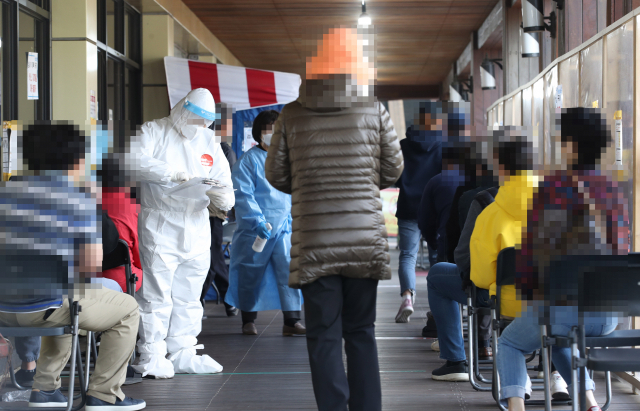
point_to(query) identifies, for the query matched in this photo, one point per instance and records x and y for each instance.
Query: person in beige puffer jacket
(333, 150)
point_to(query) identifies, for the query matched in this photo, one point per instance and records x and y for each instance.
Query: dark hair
(225, 111)
(588, 128)
(50, 145)
(515, 156)
(262, 120)
(111, 174)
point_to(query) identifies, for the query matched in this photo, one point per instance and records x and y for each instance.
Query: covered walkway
(271, 372)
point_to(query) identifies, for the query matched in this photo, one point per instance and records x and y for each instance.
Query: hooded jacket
(499, 226)
(422, 152)
(334, 161)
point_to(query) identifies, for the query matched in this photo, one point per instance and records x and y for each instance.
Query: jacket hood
(423, 141)
(516, 194)
(334, 93)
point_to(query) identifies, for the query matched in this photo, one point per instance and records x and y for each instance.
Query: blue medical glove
(263, 231)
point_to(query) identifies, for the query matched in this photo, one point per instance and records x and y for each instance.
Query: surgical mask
(266, 139)
(190, 131)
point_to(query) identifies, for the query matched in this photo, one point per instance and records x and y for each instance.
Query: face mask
(190, 131)
(266, 139)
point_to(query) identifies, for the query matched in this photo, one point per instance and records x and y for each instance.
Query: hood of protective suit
(194, 113)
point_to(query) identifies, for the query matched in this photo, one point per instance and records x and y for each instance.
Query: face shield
(195, 113)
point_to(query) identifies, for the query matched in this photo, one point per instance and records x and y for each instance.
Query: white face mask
(266, 139)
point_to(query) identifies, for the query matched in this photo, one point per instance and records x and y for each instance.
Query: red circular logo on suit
(206, 160)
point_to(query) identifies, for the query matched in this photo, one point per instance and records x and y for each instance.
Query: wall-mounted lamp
(533, 18)
(457, 91)
(530, 46)
(364, 19)
(488, 74)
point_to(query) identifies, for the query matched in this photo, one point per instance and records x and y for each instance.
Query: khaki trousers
(112, 313)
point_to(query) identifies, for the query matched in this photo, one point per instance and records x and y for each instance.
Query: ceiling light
(364, 19)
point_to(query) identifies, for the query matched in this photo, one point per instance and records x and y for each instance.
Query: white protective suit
(174, 234)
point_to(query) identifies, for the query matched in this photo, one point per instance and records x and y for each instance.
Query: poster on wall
(93, 111)
(389, 198)
(32, 76)
(248, 141)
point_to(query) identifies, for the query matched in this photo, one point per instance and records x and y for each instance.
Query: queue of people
(310, 231)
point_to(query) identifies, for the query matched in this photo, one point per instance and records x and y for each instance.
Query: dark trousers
(339, 308)
(218, 270)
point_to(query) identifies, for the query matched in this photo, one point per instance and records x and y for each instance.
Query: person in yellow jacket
(503, 222)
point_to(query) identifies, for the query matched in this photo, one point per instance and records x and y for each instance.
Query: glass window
(26, 44)
(114, 89)
(111, 23)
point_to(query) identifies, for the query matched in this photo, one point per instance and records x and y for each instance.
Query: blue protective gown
(260, 281)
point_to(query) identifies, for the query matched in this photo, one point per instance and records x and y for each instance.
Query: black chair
(601, 284)
(506, 275)
(120, 257)
(476, 379)
(28, 276)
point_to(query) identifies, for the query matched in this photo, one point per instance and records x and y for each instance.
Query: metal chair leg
(545, 368)
(607, 381)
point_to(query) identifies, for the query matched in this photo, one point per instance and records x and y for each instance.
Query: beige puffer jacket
(334, 162)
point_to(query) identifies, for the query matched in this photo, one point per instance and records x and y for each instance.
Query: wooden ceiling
(417, 40)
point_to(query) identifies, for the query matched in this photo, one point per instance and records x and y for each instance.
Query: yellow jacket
(499, 226)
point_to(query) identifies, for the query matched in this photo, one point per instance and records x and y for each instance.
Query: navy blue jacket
(422, 151)
(434, 209)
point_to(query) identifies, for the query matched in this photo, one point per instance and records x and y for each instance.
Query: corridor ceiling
(417, 40)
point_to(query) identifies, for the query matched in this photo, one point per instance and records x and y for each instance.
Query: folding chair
(227, 235)
(120, 257)
(605, 284)
(505, 275)
(475, 378)
(19, 274)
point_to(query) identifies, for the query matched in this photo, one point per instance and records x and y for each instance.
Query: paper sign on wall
(92, 105)
(617, 117)
(32, 76)
(595, 104)
(248, 141)
(558, 97)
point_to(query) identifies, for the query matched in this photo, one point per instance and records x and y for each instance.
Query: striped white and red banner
(243, 88)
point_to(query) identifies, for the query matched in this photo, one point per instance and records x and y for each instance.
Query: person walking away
(334, 150)
(422, 152)
(174, 234)
(218, 270)
(259, 281)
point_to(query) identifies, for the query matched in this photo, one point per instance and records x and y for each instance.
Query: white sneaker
(528, 388)
(435, 346)
(559, 388)
(540, 375)
(406, 309)
(186, 361)
(154, 365)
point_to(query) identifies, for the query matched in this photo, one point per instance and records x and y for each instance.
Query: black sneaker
(231, 310)
(46, 399)
(128, 404)
(452, 371)
(430, 330)
(25, 377)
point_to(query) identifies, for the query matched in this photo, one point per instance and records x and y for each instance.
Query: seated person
(62, 221)
(573, 199)
(445, 281)
(122, 209)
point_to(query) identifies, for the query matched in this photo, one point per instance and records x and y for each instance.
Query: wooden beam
(392, 92)
(491, 23)
(465, 58)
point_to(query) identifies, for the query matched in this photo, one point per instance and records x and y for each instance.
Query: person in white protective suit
(174, 234)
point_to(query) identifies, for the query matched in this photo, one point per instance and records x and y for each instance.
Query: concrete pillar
(157, 43)
(74, 55)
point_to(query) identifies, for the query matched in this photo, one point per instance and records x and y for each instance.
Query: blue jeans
(522, 336)
(409, 244)
(445, 292)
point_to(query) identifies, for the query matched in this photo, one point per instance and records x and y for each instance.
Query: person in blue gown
(259, 281)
